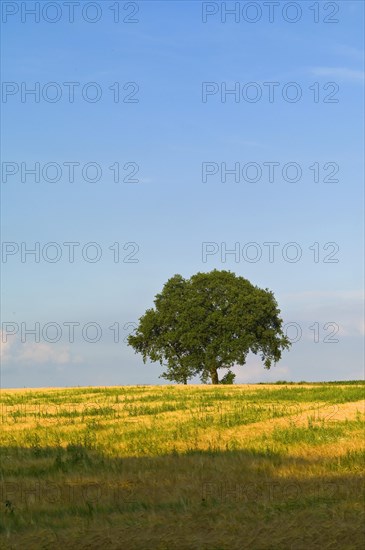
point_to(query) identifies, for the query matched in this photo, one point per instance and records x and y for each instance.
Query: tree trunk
(214, 376)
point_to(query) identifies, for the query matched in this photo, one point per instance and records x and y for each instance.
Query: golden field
(191, 467)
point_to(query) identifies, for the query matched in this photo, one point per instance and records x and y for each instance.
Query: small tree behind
(209, 322)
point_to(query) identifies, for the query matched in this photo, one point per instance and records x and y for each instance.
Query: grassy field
(262, 467)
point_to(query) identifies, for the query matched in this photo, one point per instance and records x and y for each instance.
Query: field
(262, 467)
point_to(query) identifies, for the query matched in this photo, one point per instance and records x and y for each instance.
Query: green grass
(315, 434)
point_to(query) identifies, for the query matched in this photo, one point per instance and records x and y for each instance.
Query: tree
(209, 322)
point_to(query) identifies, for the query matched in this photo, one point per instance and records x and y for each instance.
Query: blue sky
(164, 137)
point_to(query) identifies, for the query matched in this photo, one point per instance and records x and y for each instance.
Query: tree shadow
(52, 497)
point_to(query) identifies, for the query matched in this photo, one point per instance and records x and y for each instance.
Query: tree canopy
(209, 322)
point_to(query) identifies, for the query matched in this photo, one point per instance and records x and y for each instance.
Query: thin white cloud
(254, 371)
(343, 308)
(33, 354)
(350, 51)
(339, 73)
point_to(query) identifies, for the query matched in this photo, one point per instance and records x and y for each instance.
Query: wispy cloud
(35, 354)
(342, 308)
(349, 51)
(253, 372)
(340, 73)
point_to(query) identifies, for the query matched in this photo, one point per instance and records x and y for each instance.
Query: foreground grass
(183, 467)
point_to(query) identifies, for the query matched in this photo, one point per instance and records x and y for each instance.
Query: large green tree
(209, 322)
